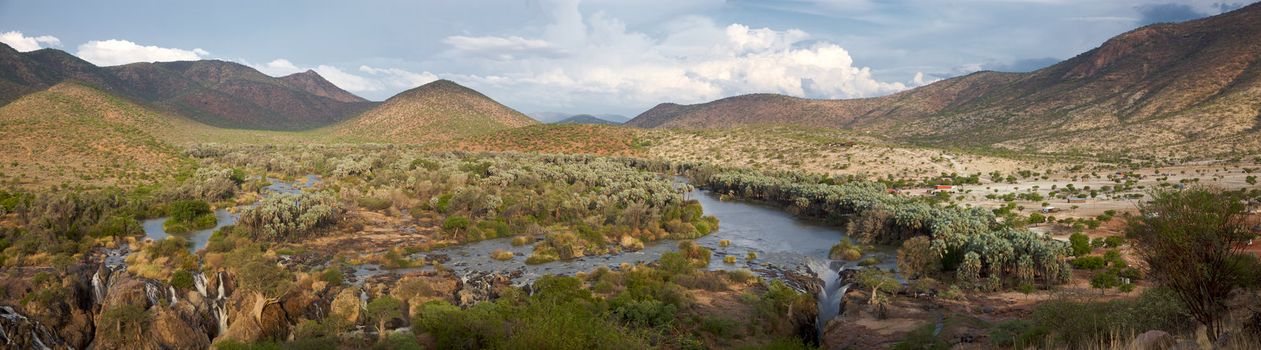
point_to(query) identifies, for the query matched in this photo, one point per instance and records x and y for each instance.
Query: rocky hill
(1194, 85)
(439, 111)
(218, 93)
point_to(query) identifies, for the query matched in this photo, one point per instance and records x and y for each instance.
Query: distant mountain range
(1196, 84)
(587, 119)
(557, 117)
(217, 93)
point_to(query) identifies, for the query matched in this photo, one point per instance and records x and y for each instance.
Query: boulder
(1152, 340)
(347, 305)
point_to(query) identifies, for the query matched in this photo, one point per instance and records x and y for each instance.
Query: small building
(1049, 209)
(1077, 199)
(941, 188)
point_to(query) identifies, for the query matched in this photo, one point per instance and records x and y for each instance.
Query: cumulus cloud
(115, 52)
(365, 79)
(23, 43)
(277, 67)
(696, 60)
(1167, 13)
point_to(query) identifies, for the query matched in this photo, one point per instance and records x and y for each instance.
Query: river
(781, 241)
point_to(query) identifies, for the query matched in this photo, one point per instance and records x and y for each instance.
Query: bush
(1093, 262)
(1113, 241)
(455, 222)
(1080, 244)
(1072, 324)
(182, 280)
(846, 249)
(187, 216)
(500, 254)
(373, 203)
(333, 275)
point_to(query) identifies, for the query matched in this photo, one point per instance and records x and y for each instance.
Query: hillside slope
(1192, 86)
(72, 133)
(217, 93)
(439, 111)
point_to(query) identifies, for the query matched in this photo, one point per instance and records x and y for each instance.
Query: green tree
(1191, 241)
(1080, 244)
(916, 257)
(382, 310)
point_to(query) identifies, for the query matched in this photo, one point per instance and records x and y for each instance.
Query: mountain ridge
(1155, 86)
(219, 93)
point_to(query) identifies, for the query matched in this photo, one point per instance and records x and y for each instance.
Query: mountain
(437, 111)
(1165, 85)
(549, 117)
(555, 117)
(73, 133)
(214, 92)
(313, 83)
(586, 119)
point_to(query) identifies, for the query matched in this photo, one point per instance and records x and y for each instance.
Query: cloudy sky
(598, 56)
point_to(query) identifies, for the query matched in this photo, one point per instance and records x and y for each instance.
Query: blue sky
(598, 56)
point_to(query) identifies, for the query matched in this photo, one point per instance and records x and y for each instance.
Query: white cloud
(367, 79)
(24, 43)
(277, 67)
(696, 60)
(115, 52)
(395, 78)
(503, 48)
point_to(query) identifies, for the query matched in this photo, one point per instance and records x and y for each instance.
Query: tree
(879, 281)
(1080, 244)
(916, 257)
(1191, 241)
(382, 310)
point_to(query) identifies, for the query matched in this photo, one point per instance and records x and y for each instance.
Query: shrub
(333, 275)
(188, 216)
(290, 216)
(1113, 241)
(182, 279)
(500, 254)
(1080, 244)
(1092, 262)
(374, 203)
(845, 250)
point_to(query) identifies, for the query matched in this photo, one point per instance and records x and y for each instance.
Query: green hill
(438, 111)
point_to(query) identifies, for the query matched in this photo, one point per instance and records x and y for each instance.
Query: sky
(598, 56)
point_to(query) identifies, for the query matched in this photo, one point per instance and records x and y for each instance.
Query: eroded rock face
(257, 318)
(479, 287)
(159, 318)
(20, 332)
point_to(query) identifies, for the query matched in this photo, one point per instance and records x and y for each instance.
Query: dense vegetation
(986, 253)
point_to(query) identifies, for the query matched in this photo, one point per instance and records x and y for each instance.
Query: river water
(224, 217)
(780, 240)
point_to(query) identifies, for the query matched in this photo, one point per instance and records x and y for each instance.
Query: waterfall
(831, 293)
(363, 299)
(151, 292)
(174, 299)
(199, 280)
(221, 314)
(38, 332)
(221, 282)
(98, 289)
